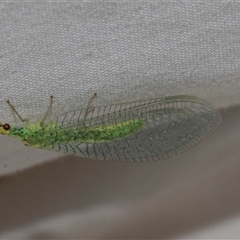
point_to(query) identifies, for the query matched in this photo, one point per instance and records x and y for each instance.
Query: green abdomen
(108, 133)
(49, 134)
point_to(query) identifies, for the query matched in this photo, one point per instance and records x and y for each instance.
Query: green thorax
(47, 135)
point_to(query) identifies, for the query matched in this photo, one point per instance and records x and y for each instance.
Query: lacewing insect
(148, 130)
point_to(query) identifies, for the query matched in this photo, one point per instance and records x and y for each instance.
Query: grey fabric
(123, 51)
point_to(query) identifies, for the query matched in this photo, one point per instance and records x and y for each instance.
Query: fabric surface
(123, 51)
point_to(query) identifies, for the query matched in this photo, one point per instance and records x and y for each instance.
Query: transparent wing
(171, 125)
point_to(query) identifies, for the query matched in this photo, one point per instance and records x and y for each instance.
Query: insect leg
(88, 109)
(25, 120)
(90, 104)
(47, 112)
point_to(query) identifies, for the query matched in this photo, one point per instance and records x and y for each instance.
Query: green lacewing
(147, 130)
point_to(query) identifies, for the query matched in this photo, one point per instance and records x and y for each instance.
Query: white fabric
(123, 51)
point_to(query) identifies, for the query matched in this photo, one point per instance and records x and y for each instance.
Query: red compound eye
(6, 126)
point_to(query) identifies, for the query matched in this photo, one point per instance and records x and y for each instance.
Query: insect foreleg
(49, 110)
(25, 120)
